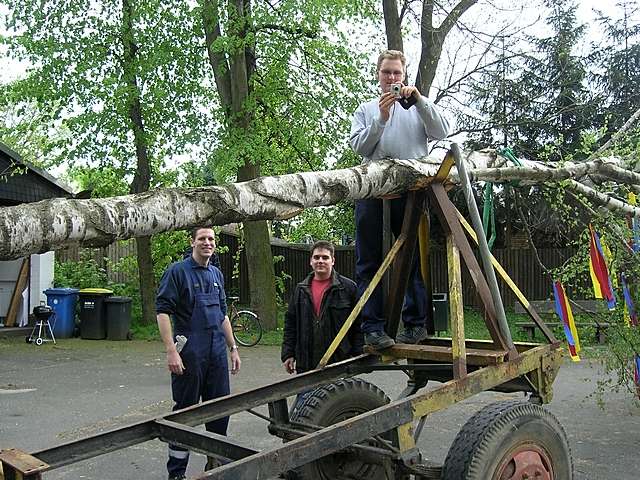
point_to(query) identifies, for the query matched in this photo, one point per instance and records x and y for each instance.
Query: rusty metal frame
(541, 362)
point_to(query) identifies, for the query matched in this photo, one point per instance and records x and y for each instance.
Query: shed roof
(22, 182)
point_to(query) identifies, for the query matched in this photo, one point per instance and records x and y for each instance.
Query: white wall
(41, 278)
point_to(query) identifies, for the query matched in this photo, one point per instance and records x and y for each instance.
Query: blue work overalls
(204, 356)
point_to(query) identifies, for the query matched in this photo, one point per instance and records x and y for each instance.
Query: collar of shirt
(195, 264)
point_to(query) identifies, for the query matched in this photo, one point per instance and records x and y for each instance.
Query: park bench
(547, 311)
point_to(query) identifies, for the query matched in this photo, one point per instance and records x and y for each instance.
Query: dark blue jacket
(179, 284)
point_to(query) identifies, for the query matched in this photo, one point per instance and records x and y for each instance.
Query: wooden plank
(424, 247)
(442, 353)
(456, 309)
(16, 297)
(445, 167)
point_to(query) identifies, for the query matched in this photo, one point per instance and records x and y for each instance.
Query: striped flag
(563, 309)
(599, 272)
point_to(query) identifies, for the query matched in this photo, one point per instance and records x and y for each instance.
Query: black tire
(509, 440)
(333, 403)
(246, 328)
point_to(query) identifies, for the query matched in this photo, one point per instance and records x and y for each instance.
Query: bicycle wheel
(246, 327)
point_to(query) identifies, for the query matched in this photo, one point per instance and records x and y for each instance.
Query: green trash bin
(92, 313)
(118, 312)
(440, 312)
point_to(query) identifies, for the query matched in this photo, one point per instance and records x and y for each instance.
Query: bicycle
(245, 325)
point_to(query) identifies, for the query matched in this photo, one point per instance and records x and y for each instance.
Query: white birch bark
(59, 223)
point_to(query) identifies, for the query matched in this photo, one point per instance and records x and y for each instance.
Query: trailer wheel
(333, 403)
(510, 440)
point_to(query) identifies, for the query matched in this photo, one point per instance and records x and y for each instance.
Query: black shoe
(378, 340)
(177, 477)
(412, 335)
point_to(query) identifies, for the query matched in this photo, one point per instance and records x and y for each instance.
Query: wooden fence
(521, 264)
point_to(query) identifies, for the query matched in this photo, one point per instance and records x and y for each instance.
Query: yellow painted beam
(456, 309)
(406, 441)
(445, 167)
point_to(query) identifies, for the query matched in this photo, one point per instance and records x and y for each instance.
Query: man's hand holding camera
(406, 95)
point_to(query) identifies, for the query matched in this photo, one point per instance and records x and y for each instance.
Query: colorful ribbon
(563, 309)
(634, 225)
(599, 272)
(630, 315)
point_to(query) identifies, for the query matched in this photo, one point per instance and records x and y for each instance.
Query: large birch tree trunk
(58, 223)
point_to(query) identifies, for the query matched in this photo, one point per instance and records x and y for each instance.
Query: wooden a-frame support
(401, 255)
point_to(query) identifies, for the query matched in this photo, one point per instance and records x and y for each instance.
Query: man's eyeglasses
(394, 73)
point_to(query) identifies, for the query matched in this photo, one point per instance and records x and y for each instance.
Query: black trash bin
(92, 313)
(440, 312)
(118, 311)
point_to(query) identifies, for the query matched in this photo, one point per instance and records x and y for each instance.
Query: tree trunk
(59, 223)
(142, 177)
(392, 25)
(232, 78)
(260, 269)
(262, 285)
(431, 37)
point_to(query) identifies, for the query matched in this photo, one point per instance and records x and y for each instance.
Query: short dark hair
(324, 244)
(194, 231)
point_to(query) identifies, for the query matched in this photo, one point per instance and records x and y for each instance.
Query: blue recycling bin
(63, 303)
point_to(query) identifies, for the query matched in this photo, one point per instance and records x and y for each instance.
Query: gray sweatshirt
(405, 135)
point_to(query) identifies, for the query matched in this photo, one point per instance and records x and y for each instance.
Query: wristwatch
(233, 347)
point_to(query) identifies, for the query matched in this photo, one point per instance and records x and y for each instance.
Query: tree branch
(299, 32)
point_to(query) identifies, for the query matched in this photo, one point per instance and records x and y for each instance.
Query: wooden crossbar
(442, 353)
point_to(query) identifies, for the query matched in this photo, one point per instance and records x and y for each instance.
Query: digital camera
(395, 89)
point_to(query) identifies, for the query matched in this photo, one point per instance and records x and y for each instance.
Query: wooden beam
(456, 309)
(446, 212)
(424, 243)
(441, 354)
(16, 297)
(514, 288)
(404, 264)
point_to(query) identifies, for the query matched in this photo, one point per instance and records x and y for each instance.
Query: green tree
(136, 91)
(283, 85)
(542, 106)
(618, 76)
(122, 77)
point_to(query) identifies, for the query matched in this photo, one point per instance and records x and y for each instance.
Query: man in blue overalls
(191, 293)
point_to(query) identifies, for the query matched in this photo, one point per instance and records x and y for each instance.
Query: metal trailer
(347, 428)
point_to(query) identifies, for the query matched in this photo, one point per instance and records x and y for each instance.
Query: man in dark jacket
(318, 308)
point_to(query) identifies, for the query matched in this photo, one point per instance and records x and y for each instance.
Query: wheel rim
(246, 329)
(527, 461)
